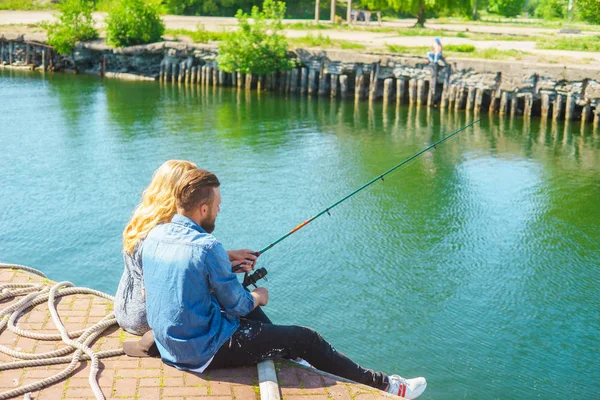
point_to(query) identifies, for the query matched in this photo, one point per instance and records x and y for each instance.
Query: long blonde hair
(158, 202)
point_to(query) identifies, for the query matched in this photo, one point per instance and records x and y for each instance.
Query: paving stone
(145, 378)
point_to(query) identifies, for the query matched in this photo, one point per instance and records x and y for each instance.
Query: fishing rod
(261, 272)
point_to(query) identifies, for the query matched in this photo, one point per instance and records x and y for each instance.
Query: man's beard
(209, 223)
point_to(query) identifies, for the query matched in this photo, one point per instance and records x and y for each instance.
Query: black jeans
(255, 341)
(258, 315)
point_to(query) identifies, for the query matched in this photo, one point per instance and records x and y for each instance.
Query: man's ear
(204, 210)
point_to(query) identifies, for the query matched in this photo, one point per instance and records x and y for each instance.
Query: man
(194, 301)
(436, 53)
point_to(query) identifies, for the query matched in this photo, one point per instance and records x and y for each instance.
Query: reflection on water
(475, 265)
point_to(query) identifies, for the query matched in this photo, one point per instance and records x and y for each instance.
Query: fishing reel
(251, 279)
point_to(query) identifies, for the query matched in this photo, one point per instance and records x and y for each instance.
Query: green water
(475, 266)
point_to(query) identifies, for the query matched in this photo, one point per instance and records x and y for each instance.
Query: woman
(157, 207)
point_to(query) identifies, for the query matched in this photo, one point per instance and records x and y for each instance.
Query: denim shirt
(193, 300)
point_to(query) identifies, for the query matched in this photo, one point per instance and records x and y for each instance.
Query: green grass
(487, 54)
(28, 5)
(495, 54)
(324, 42)
(302, 26)
(516, 22)
(307, 26)
(585, 43)
(419, 50)
(459, 48)
(200, 35)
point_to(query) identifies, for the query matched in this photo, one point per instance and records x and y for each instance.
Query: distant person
(196, 305)
(157, 207)
(436, 54)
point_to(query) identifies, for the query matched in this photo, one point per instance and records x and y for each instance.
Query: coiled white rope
(36, 294)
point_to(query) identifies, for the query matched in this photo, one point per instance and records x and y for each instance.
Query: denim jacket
(193, 300)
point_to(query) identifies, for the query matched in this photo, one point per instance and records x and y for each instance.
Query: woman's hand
(244, 259)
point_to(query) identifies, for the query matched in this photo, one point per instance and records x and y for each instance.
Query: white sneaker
(302, 362)
(407, 388)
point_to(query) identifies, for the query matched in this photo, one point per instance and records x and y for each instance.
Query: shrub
(74, 24)
(257, 47)
(506, 8)
(132, 22)
(589, 10)
(460, 48)
(552, 9)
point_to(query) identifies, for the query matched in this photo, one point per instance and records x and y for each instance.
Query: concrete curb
(267, 378)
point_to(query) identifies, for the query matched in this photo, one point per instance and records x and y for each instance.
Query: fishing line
(261, 272)
(376, 179)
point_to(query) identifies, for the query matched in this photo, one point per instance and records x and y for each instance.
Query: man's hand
(243, 258)
(261, 296)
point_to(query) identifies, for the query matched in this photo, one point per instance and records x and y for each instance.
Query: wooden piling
(32, 57)
(557, 109)
(249, 79)
(570, 108)
(388, 90)
(11, 50)
(545, 112)
(400, 90)
(173, 72)
(181, 72)
(478, 100)
(444, 98)
(240, 80)
(44, 65)
(294, 85)
(324, 84)
(359, 84)
(260, 83)
(288, 81)
(412, 91)
(334, 85)
(597, 115)
(527, 104)
(51, 59)
(344, 86)
(432, 95)
(194, 72)
(470, 98)
(504, 103)
(461, 98)
(304, 80)
(188, 74)
(513, 102)
(215, 76)
(451, 96)
(494, 102)
(421, 99)
(313, 81)
(2, 51)
(586, 113)
(374, 82)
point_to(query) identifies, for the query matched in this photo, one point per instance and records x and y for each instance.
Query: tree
(258, 47)
(75, 24)
(133, 22)
(589, 10)
(420, 8)
(506, 8)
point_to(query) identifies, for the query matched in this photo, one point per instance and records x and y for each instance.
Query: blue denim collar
(185, 221)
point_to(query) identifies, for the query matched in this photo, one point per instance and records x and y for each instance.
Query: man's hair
(196, 187)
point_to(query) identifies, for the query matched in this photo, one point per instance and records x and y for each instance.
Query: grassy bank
(27, 5)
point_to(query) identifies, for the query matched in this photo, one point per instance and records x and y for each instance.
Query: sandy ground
(10, 21)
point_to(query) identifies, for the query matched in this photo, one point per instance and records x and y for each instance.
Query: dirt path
(373, 40)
